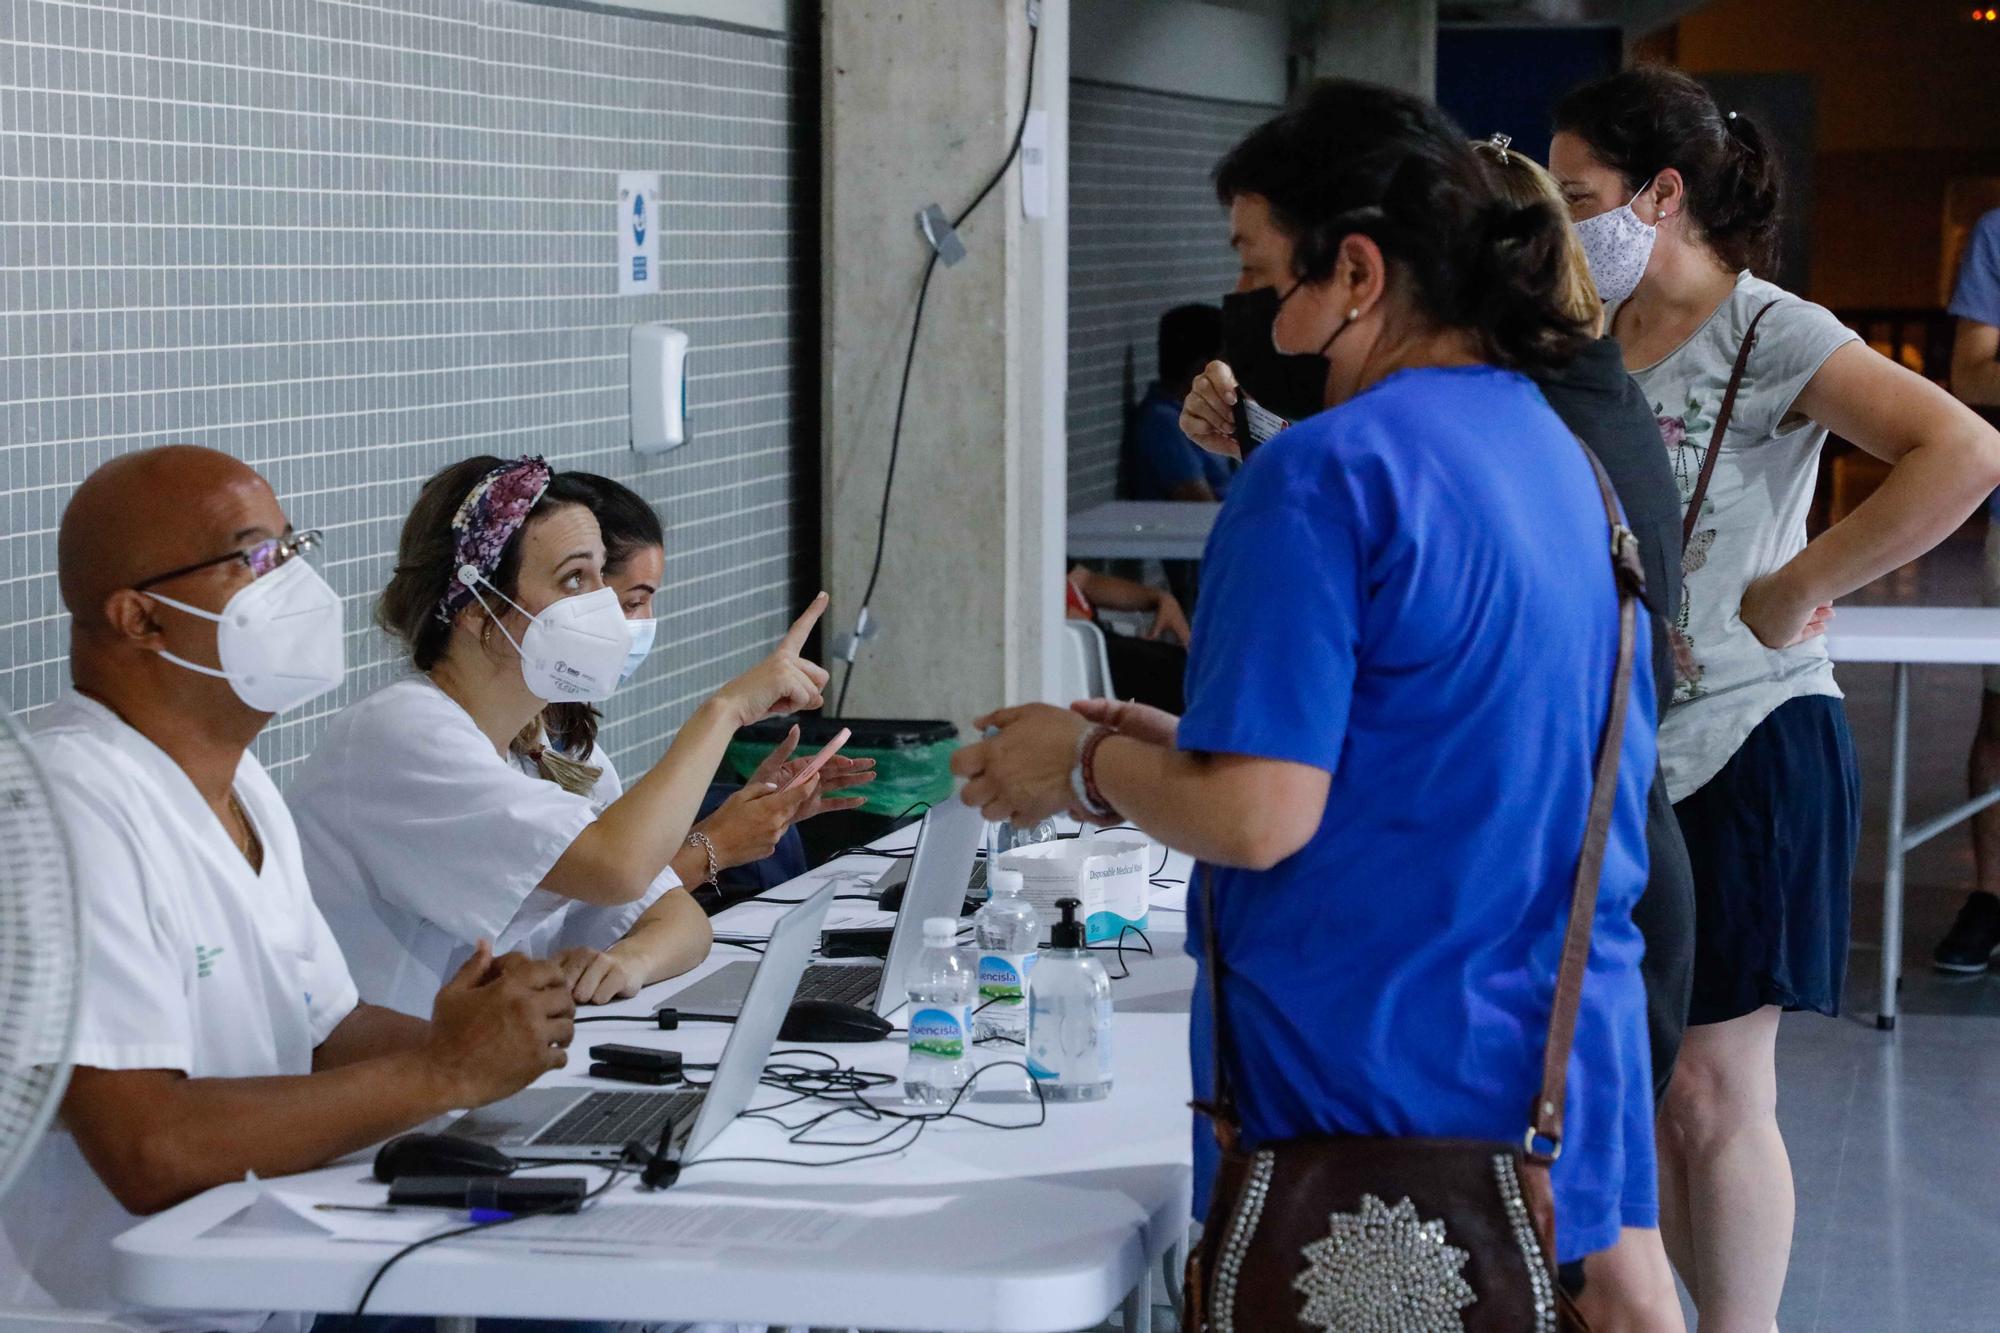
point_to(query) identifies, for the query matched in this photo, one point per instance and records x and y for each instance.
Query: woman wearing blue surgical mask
(423, 836)
(1676, 203)
(745, 840)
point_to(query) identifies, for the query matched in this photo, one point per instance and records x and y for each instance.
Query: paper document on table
(707, 1226)
(352, 1221)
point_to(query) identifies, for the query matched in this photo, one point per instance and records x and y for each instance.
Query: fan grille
(41, 954)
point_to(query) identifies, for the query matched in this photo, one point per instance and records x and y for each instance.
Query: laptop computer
(588, 1126)
(939, 872)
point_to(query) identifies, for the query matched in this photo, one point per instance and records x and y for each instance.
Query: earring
(1354, 314)
(485, 633)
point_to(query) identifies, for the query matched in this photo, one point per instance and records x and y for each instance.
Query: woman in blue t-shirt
(1402, 661)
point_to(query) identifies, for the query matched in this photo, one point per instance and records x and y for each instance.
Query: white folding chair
(60, 1321)
(1086, 663)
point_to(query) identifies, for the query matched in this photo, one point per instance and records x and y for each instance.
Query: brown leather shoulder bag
(1409, 1235)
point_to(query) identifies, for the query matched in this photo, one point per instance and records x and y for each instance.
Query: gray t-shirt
(1752, 521)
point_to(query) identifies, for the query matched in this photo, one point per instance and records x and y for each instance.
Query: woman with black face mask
(1406, 660)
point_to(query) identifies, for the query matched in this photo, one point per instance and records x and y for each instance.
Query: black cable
(616, 1173)
(910, 357)
(917, 1121)
(1125, 968)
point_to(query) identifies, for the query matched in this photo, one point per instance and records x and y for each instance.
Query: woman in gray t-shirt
(1676, 202)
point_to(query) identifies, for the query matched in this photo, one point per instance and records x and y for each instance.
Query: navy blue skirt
(1771, 840)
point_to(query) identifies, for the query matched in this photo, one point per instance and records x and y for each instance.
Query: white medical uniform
(195, 962)
(421, 839)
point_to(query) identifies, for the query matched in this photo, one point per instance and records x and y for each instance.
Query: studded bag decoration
(1346, 1234)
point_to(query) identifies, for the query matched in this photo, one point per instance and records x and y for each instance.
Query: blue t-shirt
(1976, 296)
(1412, 591)
(1163, 457)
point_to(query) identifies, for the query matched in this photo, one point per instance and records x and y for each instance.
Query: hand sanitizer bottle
(1069, 1016)
(940, 1061)
(1007, 931)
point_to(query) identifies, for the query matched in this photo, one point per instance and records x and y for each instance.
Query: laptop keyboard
(848, 985)
(617, 1118)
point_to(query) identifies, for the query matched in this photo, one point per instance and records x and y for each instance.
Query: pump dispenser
(1069, 1016)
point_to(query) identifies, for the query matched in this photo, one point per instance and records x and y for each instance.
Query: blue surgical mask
(642, 632)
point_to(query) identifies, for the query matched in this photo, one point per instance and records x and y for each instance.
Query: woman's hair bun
(1643, 120)
(1355, 159)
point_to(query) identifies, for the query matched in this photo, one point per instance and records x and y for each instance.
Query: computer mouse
(830, 1021)
(439, 1155)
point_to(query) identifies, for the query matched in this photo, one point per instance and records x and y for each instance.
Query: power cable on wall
(943, 240)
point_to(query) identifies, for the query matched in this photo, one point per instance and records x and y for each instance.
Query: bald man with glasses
(221, 1032)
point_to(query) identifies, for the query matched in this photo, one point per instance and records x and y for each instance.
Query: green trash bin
(912, 768)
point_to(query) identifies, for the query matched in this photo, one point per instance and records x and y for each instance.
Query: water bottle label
(1003, 978)
(939, 1033)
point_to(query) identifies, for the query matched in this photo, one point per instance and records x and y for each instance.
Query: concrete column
(1390, 42)
(919, 104)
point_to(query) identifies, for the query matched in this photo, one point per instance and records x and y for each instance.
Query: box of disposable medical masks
(1106, 873)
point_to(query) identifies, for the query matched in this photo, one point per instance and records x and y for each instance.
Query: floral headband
(492, 512)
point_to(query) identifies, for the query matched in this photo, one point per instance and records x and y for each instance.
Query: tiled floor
(1895, 1138)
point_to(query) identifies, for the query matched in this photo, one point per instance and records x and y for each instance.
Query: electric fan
(41, 954)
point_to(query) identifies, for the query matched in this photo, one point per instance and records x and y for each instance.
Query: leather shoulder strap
(1544, 1139)
(1220, 1107)
(1722, 416)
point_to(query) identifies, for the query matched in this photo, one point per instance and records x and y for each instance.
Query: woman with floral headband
(423, 836)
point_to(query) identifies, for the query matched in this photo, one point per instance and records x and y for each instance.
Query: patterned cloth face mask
(1617, 245)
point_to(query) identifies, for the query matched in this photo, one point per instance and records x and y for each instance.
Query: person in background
(1598, 400)
(1676, 202)
(1162, 462)
(754, 841)
(1424, 709)
(220, 1032)
(1148, 669)
(1166, 464)
(421, 832)
(1974, 938)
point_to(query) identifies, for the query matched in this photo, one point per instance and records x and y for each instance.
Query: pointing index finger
(795, 638)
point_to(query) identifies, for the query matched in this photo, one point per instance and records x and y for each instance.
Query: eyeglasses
(260, 559)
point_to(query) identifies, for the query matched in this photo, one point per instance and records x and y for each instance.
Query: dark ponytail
(1643, 120)
(1354, 159)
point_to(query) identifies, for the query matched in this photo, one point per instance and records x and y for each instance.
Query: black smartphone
(637, 1057)
(627, 1074)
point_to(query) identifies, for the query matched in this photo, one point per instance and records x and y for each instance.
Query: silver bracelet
(700, 839)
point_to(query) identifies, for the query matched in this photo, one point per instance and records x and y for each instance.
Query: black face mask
(1290, 386)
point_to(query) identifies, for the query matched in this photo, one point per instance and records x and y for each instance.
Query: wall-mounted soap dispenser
(659, 388)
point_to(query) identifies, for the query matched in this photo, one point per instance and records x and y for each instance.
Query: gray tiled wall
(1145, 234)
(352, 242)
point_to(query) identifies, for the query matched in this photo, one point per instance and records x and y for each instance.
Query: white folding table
(1142, 530)
(1903, 636)
(1049, 1229)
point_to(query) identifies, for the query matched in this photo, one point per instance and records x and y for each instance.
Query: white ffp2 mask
(642, 632)
(1617, 246)
(573, 649)
(278, 638)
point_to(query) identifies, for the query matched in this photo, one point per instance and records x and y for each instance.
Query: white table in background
(1903, 636)
(1049, 1229)
(1142, 530)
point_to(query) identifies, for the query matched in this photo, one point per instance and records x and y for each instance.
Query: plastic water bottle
(1069, 1016)
(1007, 931)
(941, 987)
